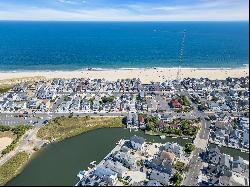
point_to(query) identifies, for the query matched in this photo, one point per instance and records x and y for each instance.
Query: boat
(81, 174)
(53, 140)
(93, 163)
(163, 137)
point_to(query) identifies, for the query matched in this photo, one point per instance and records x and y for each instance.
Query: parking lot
(14, 119)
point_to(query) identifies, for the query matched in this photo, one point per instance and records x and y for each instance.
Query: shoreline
(144, 74)
(36, 153)
(245, 66)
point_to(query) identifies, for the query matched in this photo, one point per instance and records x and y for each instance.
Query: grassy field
(13, 81)
(65, 127)
(12, 167)
(4, 88)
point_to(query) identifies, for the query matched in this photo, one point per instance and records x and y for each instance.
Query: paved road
(58, 101)
(194, 167)
(200, 142)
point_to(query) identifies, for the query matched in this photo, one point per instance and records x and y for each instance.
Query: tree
(71, 115)
(189, 147)
(184, 101)
(179, 166)
(150, 126)
(66, 98)
(215, 99)
(176, 179)
(108, 99)
(4, 128)
(152, 119)
(91, 100)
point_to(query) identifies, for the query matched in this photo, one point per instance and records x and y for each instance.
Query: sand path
(4, 142)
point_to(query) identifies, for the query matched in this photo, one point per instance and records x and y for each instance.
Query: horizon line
(126, 20)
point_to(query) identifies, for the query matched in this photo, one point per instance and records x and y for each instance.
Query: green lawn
(11, 168)
(4, 88)
(65, 127)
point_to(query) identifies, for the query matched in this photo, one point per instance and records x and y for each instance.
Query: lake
(58, 164)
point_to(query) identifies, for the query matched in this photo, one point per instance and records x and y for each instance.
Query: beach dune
(146, 75)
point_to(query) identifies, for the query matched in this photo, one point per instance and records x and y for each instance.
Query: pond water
(59, 163)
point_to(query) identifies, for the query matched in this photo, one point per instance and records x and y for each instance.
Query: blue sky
(125, 10)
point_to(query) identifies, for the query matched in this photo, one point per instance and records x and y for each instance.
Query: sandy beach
(146, 75)
(4, 142)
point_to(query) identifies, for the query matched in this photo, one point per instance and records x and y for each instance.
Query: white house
(214, 106)
(106, 174)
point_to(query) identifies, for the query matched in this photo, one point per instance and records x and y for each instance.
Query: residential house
(162, 178)
(152, 105)
(127, 160)
(33, 103)
(214, 106)
(141, 119)
(174, 103)
(116, 167)
(45, 104)
(153, 183)
(106, 174)
(213, 155)
(174, 148)
(137, 142)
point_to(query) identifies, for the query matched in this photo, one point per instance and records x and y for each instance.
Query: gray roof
(225, 161)
(163, 178)
(153, 183)
(137, 139)
(115, 166)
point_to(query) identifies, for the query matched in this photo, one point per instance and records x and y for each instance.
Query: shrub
(176, 179)
(189, 147)
(180, 166)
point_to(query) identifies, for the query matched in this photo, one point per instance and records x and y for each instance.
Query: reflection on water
(232, 152)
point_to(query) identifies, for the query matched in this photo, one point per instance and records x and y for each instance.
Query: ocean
(52, 46)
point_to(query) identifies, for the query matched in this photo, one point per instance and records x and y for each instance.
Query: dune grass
(61, 128)
(5, 88)
(12, 167)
